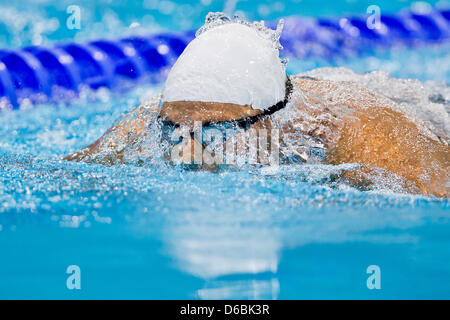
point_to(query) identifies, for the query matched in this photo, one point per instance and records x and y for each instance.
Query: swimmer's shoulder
(338, 93)
(128, 128)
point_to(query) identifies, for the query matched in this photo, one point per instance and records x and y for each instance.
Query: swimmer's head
(230, 71)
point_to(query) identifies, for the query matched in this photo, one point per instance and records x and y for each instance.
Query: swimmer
(230, 77)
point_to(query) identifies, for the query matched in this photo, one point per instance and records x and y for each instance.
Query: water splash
(216, 19)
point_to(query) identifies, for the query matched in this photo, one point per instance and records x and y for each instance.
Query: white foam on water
(230, 61)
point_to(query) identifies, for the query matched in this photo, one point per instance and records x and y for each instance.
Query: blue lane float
(42, 74)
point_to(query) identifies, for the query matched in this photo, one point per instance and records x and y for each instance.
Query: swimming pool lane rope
(58, 73)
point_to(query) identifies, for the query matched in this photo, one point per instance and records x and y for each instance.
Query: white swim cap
(230, 62)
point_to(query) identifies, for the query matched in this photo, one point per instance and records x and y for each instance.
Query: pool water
(158, 232)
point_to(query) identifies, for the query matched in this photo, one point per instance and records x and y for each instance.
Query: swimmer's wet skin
(352, 123)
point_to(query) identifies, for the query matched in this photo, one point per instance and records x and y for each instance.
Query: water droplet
(215, 19)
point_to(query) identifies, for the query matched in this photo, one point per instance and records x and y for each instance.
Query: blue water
(164, 233)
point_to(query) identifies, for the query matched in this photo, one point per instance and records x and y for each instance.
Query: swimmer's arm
(109, 148)
(377, 137)
(383, 138)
